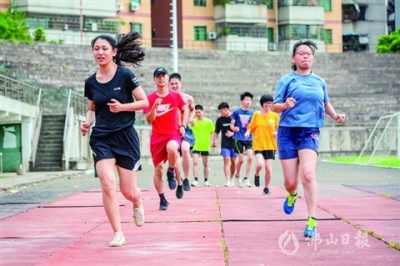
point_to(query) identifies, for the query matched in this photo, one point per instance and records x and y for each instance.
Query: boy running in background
(175, 84)
(202, 130)
(228, 152)
(264, 125)
(240, 120)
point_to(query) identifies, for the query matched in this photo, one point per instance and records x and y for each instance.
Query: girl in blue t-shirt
(302, 98)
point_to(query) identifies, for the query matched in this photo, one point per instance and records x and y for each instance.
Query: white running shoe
(238, 182)
(247, 182)
(228, 183)
(195, 183)
(232, 181)
(138, 215)
(118, 241)
(207, 184)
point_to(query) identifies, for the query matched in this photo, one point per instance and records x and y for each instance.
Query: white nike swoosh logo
(164, 112)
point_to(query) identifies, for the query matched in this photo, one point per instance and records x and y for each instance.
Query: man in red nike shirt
(167, 129)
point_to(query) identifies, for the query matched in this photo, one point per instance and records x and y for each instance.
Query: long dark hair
(129, 47)
(311, 44)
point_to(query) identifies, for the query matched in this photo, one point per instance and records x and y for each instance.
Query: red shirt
(166, 122)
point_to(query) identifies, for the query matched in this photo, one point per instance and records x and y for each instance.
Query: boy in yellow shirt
(263, 126)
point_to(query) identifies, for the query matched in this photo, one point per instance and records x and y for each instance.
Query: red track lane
(253, 230)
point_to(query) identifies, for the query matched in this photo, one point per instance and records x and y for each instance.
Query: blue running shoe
(288, 205)
(163, 204)
(171, 179)
(311, 228)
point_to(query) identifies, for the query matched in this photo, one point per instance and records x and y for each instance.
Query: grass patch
(2, 176)
(395, 246)
(387, 161)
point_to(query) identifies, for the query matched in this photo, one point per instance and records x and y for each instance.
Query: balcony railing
(300, 3)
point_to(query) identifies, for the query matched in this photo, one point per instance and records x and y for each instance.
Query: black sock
(161, 196)
(256, 176)
(205, 179)
(244, 178)
(170, 169)
(313, 218)
(196, 179)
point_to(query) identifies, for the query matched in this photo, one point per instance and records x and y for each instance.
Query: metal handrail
(76, 101)
(67, 115)
(17, 90)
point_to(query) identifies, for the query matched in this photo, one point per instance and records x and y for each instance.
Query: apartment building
(335, 25)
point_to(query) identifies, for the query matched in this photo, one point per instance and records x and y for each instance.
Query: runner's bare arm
(232, 126)
(183, 116)
(192, 111)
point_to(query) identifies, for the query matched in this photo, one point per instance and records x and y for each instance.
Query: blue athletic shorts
(292, 139)
(122, 145)
(225, 152)
(189, 137)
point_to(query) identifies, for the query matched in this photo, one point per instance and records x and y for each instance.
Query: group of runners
(179, 129)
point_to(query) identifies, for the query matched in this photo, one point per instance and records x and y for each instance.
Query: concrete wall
(17, 112)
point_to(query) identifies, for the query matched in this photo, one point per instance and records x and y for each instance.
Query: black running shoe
(266, 191)
(186, 184)
(171, 179)
(256, 180)
(179, 191)
(163, 204)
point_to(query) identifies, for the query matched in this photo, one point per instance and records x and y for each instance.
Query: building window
(136, 27)
(327, 4)
(34, 23)
(327, 34)
(242, 29)
(270, 34)
(200, 2)
(363, 9)
(296, 31)
(200, 33)
(270, 4)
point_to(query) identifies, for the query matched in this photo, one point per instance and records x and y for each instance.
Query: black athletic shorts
(122, 145)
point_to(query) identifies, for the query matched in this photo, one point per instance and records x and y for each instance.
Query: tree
(389, 43)
(39, 35)
(13, 25)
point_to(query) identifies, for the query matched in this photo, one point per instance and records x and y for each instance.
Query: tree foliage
(13, 25)
(389, 43)
(39, 35)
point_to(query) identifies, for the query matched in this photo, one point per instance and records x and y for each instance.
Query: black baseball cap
(159, 70)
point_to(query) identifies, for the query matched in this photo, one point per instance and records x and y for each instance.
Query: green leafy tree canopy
(389, 43)
(13, 25)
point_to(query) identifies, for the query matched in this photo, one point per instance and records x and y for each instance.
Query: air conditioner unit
(120, 6)
(134, 6)
(94, 26)
(212, 35)
(272, 46)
